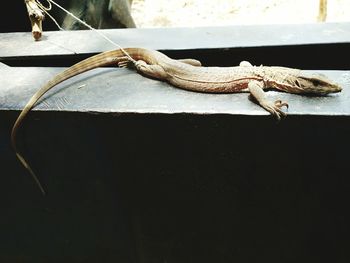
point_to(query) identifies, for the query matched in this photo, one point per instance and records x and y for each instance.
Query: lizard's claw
(124, 62)
(275, 108)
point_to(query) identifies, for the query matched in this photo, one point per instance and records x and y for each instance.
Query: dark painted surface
(308, 46)
(310, 57)
(84, 42)
(176, 188)
(123, 91)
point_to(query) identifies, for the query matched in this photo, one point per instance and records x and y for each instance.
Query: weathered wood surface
(113, 90)
(78, 42)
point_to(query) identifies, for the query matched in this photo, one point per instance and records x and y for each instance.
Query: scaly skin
(190, 75)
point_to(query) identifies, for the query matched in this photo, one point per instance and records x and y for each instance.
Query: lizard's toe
(123, 64)
(275, 109)
(123, 61)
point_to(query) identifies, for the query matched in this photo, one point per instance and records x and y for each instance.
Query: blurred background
(104, 14)
(188, 13)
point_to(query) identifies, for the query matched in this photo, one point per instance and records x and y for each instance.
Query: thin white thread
(45, 9)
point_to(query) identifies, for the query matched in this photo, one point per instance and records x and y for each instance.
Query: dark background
(178, 188)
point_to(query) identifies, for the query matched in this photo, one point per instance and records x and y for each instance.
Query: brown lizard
(190, 75)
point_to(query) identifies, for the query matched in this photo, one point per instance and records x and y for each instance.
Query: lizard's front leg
(256, 91)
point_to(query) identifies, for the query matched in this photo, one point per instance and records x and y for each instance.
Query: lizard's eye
(315, 82)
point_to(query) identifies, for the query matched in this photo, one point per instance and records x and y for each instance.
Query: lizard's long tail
(99, 60)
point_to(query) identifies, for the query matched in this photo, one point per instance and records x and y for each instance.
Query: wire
(46, 9)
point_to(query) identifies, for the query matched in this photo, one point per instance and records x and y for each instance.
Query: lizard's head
(316, 84)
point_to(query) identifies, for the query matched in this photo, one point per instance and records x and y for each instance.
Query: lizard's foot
(275, 108)
(124, 62)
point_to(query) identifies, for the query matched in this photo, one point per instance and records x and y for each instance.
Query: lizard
(189, 74)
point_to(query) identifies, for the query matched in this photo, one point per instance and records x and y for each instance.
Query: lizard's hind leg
(191, 61)
(153, 71)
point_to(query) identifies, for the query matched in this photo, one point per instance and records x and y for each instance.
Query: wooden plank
(113, 90)
(83, 42)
